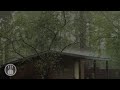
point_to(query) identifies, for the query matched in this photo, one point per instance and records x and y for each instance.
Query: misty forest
(24, 34)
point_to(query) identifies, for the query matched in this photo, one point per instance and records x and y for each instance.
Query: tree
(42, 31)
(5, 17)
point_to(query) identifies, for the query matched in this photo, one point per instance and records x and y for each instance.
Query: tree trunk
(82, 35)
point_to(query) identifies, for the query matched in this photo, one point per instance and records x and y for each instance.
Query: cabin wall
(67, 69)
(27, 71)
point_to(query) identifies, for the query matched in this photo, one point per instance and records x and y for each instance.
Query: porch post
(82, 76)
(107, 72)
(76, 69)
(94, 63)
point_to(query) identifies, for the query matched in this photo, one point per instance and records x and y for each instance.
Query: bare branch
(16, 51)
(12, 42)
(69, 46)
(28, 44)
(55, 35)
(50, 30)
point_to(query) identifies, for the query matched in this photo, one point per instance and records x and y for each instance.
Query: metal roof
(85, 54)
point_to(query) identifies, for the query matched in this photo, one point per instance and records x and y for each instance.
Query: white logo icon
(10, 69)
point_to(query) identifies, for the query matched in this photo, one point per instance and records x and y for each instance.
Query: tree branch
(109, 21)
(64, 16)
(69, 46)
(55, 35)
(13, 46)
(28, 44)
(16, 51)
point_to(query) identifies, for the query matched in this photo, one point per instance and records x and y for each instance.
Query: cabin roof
(83, 54)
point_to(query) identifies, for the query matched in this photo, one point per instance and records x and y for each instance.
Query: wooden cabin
(76, 65)
(73, 62)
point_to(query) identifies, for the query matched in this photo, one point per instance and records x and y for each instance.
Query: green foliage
(32, 32)
(47, 64)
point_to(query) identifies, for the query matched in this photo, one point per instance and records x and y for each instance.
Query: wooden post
(76, 69)
(94, 63)
(107, 73)
(82, 69)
